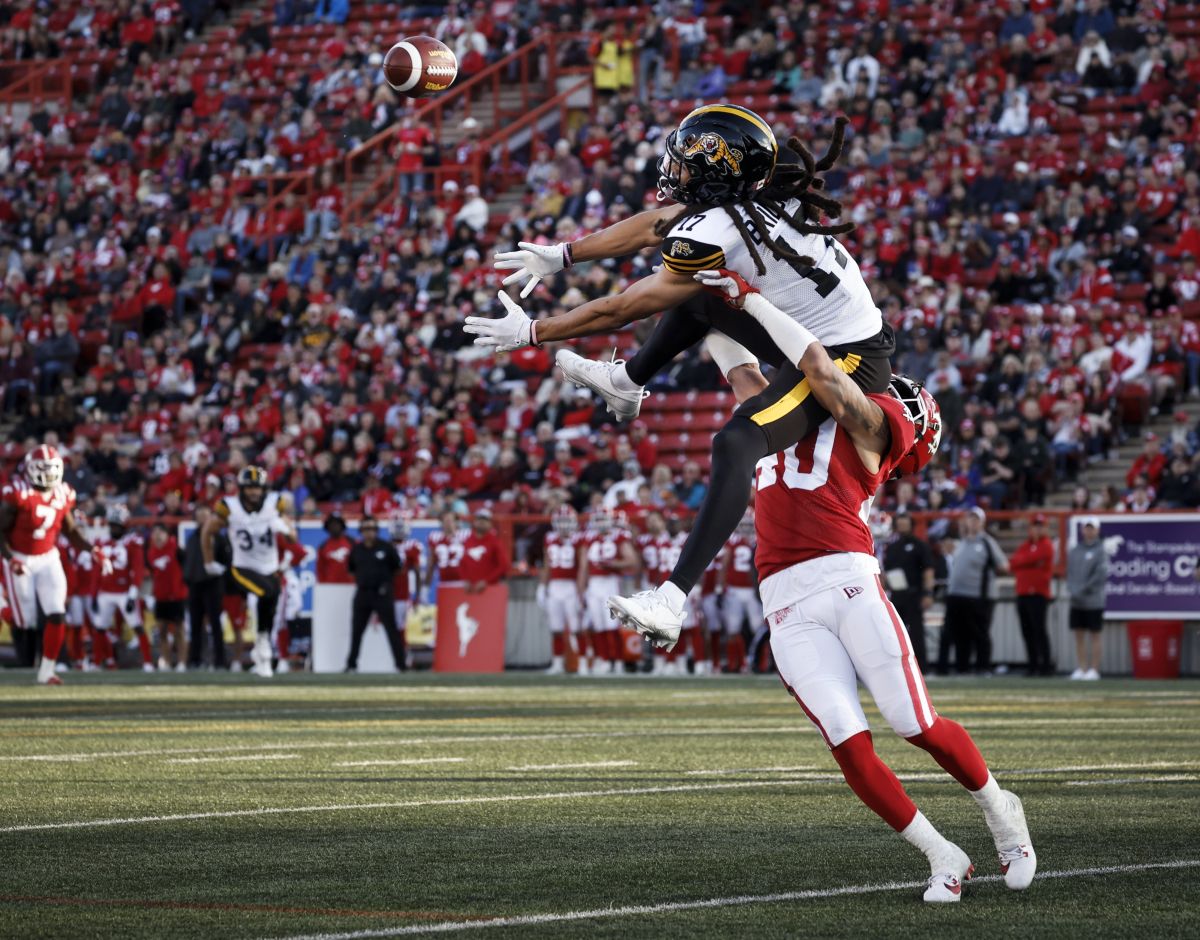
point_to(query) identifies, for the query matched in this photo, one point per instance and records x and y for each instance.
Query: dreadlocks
(798, 181)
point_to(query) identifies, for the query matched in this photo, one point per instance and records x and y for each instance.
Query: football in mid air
(420, 66)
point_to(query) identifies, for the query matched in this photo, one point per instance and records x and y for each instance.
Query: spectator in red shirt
(1150, 463)
(1033, 564)
(485, 559)
(333, 557)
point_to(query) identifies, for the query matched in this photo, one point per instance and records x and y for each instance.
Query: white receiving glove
(533, 262)
(541, 594)
(506, 333)
(214, 569)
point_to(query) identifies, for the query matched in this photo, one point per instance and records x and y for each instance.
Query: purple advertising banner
(1151, 565)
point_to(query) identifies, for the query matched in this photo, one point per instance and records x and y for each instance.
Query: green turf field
(180, 806)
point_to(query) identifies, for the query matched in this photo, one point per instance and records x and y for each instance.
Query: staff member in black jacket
(908, 571)
(205, 593)
(374, 564)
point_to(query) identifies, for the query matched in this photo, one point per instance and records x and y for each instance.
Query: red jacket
(1032, 564)
(333, 558)
(484, 558)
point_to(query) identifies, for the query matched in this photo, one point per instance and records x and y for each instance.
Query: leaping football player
(34, 507)
(739, 210)
(830, 620)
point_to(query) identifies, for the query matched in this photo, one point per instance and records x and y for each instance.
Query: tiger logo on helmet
(715, 151)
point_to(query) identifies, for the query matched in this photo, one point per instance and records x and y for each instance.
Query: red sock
(558, 644)
(873, 781)
(52, 640)
(284, 642)
(697, 641)
(950, 745)
(75, 644)
(715, 643)
(144, 646)
(736, 653)
(608, 645)
(102, 648)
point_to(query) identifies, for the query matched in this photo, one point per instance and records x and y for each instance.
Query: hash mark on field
(671, 907)
(1176, 778)
(753, 770)
(231, 757)
(401, 763)
(599, 763)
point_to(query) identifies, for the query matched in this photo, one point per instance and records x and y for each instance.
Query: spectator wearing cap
(1032, 565)
(374, 563)
(909, 572)
(1130, 262)
(1087, 573)
(1150, 463)
(474, 211)
(485, 559)
(970, 595)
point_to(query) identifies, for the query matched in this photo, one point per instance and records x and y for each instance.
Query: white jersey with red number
(813, 499)
(121, 564)
(603, 550)
(39, 515)
(448, 553)
(741, 562)
(411, 557)
(562, 556)
(668, 555)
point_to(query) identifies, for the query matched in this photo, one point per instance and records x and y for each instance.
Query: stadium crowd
(1024, 183)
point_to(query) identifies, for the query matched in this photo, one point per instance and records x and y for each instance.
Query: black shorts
(168, 611)
(1091, 620)
(244, 582)
(787, 411)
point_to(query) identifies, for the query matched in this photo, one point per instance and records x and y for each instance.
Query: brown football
(420, 66)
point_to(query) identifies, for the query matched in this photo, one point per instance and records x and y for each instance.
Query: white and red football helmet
(44, 467)
(602, 520)
(926, 415)
(564, 521)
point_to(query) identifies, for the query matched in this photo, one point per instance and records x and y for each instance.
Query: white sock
(621, 380)
(45, 668)
(990, 798)
(675, 597)
(921, 835)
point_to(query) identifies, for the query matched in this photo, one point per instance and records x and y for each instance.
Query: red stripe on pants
(905, 659)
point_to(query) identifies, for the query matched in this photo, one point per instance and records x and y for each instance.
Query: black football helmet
(729, 151)
(249, 478)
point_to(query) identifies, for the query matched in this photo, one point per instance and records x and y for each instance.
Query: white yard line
(707, 772)
(1176, 778)
(599, 763)
(231, 757)
(742, 900)
(401, 763)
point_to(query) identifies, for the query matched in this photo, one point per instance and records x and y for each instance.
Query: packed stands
(199, 274)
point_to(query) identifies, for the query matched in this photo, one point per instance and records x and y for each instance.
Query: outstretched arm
(830, 385)
(532, 262)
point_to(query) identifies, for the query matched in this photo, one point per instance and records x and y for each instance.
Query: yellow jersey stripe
(691, 266)
(246, 583)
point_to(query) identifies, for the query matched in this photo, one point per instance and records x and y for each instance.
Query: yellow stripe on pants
(247, 583)
(796, 396)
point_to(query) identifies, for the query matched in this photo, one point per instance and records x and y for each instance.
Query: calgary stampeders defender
(81, 584)
(741, 592)
(711, 593)
(35, 506)
(407, 583)
(558, 589)
(446, 550)
(607, 554)
(120, 571)
(164, 561)
(831, 622)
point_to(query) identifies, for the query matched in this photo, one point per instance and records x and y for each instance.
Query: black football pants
(777, 418)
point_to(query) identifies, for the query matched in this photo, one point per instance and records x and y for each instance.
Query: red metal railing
(34, 81)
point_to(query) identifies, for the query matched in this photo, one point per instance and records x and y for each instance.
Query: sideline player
(254, 518)
(558, 590)
(408, 578)
(34, 507)
(120, 571)
(720, 164)
(81, 584)
(831, 621)
(164, 559)
(654, 547)
(446, 552)
(607, 554)
(740, 582)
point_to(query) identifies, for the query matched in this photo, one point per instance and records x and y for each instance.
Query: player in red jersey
(558, 589)
(655, 547)
(81, 579)
(711, 594)
(607, 553)
(446, 550)
(740, 584)
(408, 578)
(121, 563)
(831, 622)
(34, 508)
(164, 560)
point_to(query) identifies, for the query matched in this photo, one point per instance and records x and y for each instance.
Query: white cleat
(557, 668)
(1018, 861)
(51, 679)
(597, 375)
(946, 883)
(283, 667)
(148, 667)
(1091, 675)
(261, 657)
(582, 668)
(181, 667)
(601, 667)
(1078, 674)
(164, 664)
(651, 615)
